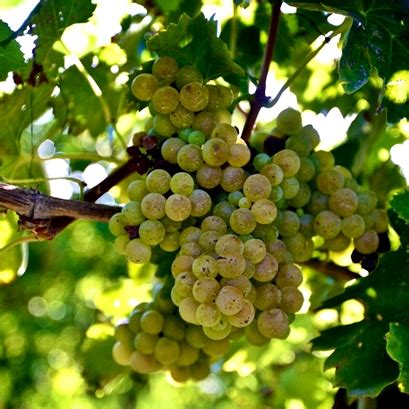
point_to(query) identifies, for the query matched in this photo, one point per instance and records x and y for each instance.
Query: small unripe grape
(265, 232)
(170, 149)
(158, 180)
(152, 322)
(232, 179)
(165, 69)
(205, 289)
(201, 203)
(267, 269)
(239, 155)
(261, 160)
(182, 183)
(166, 351)
(273, 323)
(205, 122)
(242, 221)
(144, 86)
(181, 117)
(215, 152)
(194, 96)
(257, 187)
(268, 297)
(244, 317)
(153, 206)
(165, 100)
(190, 158)
(163, 126)
(138, 252)
(289, 121)
(205, 266)
(327, 224)
(152, 232)
(245, 203)
(214, 223)
(291, 299)
(197, 138)
(209, 176)
(367, 243)
(289, 275)
(188, 74)
(223, 210)
(226, 132)
(231, 266)
(117, 225)
(273, 172)
(288, 161)
(229, 300)
(343, 202)
(122, 353)
(132, 214)
(254, 250)
(207, 314)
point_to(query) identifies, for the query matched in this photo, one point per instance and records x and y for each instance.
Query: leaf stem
(259, 97)
(16, 242)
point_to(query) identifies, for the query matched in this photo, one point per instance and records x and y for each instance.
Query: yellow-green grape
(215, 98)
(201, 203)
(367, 202)
(267, 269)
(277, 248)
(232, 179)
(158, 181)
(234, 197)
(226, 96)
(194, 96)
(300, 247)
(219, 331)
(239, 155)
(318, 203)
(191, 249)
(123, 333)
(327, 224)
(226, 132)
(299, 144)
(265, 232)
(338, 243)
(381, 224)
(181, 117)
(171, 242)
(229, 300)
(324, 160)
(208, 240)
(145, 343)
(257, 187)
(223, 210)
(264, 211)
(182, 183)
(229, 244)
(170, 225)
(180, 374)
(196, 337)
(289, 275)
(184, 283)
(213, 223)
(241, 282)
(343, 202)
(289, 223)
(199, 371)
(176, 297)
(163, 126)
(209, 176)
(273, 173)
(187, 310)
(307, 225)
(181, 264)
(290, 187)
(165, 100)
(144, 86)
(242, 221)
(205, 122)
(231, 266)
(135, 319)
(216, 348)
(152, 232)
(289, 121)
(205, 266)
(254, 336)
(215, 152)
(187, 354)
(152, 322)
(223, 116)
(197, 138)
(153, 206)
(302, 197)
(367, 243)
(138, 252)
(166, 351)
(273, 323)
(122, 353)
(268, 297)
(165, 70)
(174, 328)
(144, 364)
(186, 75)
(329, 181)
(132, 214)
(288, 161)
(254, 250)
(170, 149)
(244, 317)
(291, 299)
(190, 235)
(205, 289)
(117, 225)
(207, 314)
(137, 190)
(251, 296)
(178, 207)
(190, 158)
(307, 170)
(310, 132)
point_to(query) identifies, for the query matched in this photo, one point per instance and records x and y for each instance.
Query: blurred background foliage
(60, 299)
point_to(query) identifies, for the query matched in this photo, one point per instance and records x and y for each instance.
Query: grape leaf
(49, 23)
(194, 41)
(397, 347)
(400, 203)
(11, 56)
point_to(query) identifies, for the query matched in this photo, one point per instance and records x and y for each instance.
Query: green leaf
(194, 41)
(11, 56)
(49, 23)
(400, 204)
(397, 347)
(360, 360)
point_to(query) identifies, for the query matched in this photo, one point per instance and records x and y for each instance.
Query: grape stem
(259, 97)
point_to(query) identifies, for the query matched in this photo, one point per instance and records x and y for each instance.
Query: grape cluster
(237, 221)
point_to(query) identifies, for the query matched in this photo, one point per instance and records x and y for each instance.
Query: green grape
(181, 264)
(213, 223)
(208, 240)
(138, 252)
(152, 232)
(144, 86)
(205, 289)
(184, 283)
(158, 181)
(171, 242)
(226, 132)
(223, 210)
(289, 275)
(307, 225)
(223, 116)
(180, 374)
(307, 170)
(268, 297)
(216, 349)
(238, 155)
(181, 117)
(205, 122)
(290, 187)
(273, 173)
(219, 331)
(176, 297)
(226, 95)
(273, 323)
(182, 183)
(253, 334)
(318, 203)
(277, 248)
(152, 322)
(310, 132)
(165, 70)
(120, 244)
(201, 203)
(367, 243)
(327, 224)
(188, 355)
(367, 202)
(207, 314)
(153, 206)
(186, 75)
(290, 223)
(229, 244)
(229, 300)
(276, 194)
(299, 144)
(232, 179)
(215, 98)
(191, 249)
(288, 161)
(190, 158)
(166, 351)
(187, 310)
(245, 203)
(241, 282)
(122, 353)
(381, 221)
(163, 126)
(178, 207)
(257, 187)
(291, 299)
(261, 160)
(144, 364)
(184, 134)
(197, 138)
(170, 225)
(199, 371)
(234, 197)
(343, 202)
(300, 247)
(190, 235)
(123, 333)
(231, 266)
(135, 318)
(165, 100)
(244, 317)
(209, 176)
(170, 149)
(289, 121)
(267, 269)
(242, 221)
(163, 303)
(196, 337)
(338, 244)
(215, 152)
(323, 159)
(254, 250)
(194, 96)
(132, 214)
(137, 190)
(145, 343)
(265, 232)
(302, 198)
